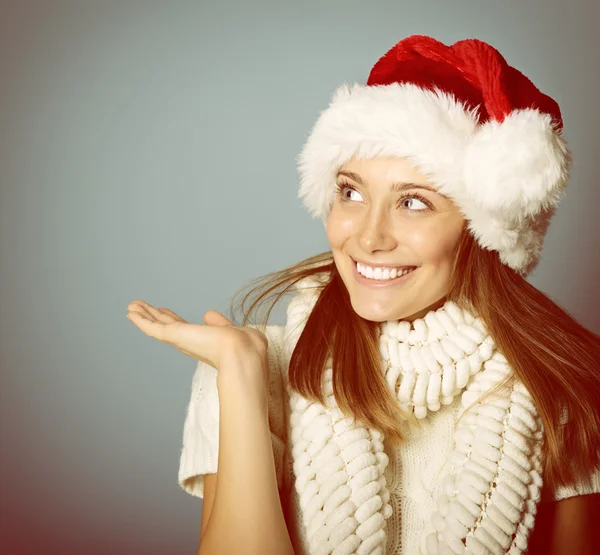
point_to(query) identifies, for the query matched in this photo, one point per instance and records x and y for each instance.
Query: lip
(380, 283)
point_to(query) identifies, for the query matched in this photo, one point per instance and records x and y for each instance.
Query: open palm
(202, 342)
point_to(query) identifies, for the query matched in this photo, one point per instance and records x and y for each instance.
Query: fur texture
(506, 177)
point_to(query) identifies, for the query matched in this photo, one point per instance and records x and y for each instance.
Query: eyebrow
(395, 187)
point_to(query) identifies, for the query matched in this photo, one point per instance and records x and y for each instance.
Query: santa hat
(477, 127)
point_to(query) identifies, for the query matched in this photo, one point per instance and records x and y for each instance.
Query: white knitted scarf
(492, 481)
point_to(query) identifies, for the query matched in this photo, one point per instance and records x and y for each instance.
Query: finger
(140, 307)
(137, 305)
(150, 325)
(175, 317)
(160, 315)
(141, 313)
(151, 328)
(141, 319)
(151, 319)
(215, 318)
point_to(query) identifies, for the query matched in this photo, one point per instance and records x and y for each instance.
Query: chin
(383, 314)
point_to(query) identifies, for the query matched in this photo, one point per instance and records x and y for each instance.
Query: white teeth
(379, 274)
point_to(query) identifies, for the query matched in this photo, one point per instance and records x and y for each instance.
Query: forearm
(573, 527)
(564, 526)
(246, 517)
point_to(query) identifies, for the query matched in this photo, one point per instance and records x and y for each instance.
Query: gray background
(147, 150)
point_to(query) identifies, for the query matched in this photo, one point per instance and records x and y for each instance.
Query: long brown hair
(553, 355)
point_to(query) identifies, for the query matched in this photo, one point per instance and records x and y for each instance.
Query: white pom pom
(516, 167)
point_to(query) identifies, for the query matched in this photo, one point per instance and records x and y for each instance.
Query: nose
(375, 233)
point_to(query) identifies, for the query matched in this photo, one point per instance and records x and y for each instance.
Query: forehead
(384, 169)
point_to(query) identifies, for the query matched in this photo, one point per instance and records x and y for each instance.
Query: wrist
(244, 358)
(245, 372)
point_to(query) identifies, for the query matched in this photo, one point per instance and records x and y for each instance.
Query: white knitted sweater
(413, 474)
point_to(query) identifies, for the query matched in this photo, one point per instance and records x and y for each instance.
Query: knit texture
(422, 497)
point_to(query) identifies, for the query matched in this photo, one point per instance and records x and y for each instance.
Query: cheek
(338, 229)
(435, 243)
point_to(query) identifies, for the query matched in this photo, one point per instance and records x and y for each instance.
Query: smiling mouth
(369, 276)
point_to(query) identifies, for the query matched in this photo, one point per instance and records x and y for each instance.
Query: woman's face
(371, 222)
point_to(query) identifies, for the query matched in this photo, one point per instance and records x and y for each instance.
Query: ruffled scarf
(492, 478)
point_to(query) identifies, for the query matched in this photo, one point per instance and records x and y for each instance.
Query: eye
(341, 188)
(416, 196)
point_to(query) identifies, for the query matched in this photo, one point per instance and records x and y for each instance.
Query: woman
(423, 396)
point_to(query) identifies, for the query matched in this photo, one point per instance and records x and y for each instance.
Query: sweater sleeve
(200, 450)
(579, 488)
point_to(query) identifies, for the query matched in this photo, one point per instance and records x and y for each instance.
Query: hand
(207, 343)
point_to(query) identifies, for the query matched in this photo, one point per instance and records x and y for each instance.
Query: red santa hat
(477, 127)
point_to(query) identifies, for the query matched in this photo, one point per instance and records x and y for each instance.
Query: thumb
(214, 318)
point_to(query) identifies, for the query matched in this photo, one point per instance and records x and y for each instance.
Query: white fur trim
(506, 178)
